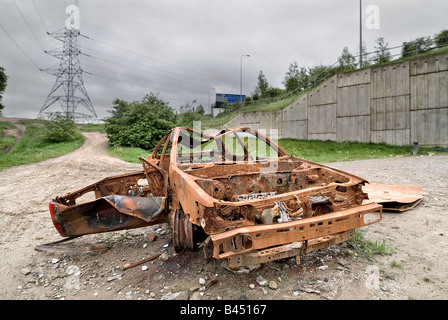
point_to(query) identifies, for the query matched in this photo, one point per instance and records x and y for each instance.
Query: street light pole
(360, 34)
(241, 75)
(209, 102)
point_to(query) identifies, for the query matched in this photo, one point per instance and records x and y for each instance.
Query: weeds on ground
(367, 247)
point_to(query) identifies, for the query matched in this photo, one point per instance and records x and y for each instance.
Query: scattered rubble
(68, 275)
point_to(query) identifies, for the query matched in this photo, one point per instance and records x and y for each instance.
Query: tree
(188, 114)
(382, 51)
(296, 79)
(3, 81)
(61, 127)
(347, 61)
(365, 55)
(441, 39)
(320, 73)
(291, 81)
(416, 46)
(262, 87)
(139, 124)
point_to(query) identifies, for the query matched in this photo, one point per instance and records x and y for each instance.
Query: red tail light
(54, 212)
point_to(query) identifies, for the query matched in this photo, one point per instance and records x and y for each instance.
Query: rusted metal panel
(394, 197)
(106, 214)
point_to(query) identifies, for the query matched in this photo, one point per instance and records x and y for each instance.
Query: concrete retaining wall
(395, 104)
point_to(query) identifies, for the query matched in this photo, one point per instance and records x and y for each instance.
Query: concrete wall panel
(388, 81)
(393, 137)
(322, 119)
(431, 64)
(297, 129)
(353, 78)
(298, 110)
(430, 127)
(390, 113)
(429, 91)
(353, 129)
(353, 101)
(326, 93)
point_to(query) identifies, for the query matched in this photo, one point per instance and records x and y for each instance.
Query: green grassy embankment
(312, 150)
(29, 145)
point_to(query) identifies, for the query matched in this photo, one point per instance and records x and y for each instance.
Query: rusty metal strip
(53, 247)
(132, 265)
(249, 239)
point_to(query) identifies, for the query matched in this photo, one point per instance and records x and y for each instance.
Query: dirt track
(417, 269)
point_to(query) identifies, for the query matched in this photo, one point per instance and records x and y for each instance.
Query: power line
(29, 26)
(144, 79)
(40, 17)
(176, 97)
(204, 85)
(139, 78)
(140, 85)
(18, 46)
(160, 61)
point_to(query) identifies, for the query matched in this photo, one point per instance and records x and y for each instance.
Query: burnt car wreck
(236, 194)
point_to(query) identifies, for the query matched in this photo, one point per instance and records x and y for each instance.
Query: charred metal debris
(235, 194)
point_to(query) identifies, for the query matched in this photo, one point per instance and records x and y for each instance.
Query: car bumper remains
(259, 244)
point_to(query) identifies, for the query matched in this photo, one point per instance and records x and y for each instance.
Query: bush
(139, 124)
(415, 47)
(61, 128)
(441, 39)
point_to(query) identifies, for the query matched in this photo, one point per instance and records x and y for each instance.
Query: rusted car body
(236, 193)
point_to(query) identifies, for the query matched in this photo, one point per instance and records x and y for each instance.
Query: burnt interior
(321, 190)
(227, 182)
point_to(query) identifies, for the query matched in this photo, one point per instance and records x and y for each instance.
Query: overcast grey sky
(183, 49)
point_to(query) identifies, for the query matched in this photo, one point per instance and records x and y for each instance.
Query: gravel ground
(416, 270)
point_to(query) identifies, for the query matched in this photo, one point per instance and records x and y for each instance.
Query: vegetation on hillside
(3, 81)
(40, 140)
(139, 123)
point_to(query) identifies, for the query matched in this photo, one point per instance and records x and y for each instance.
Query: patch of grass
(276, 105)
(6, 125)
(31, 122)
(331, 151)
(89, 127)
(367, 247)
(395, 264)
(128, 154)
(312, 150)
(33, 147)
(7, 143)
(220, 119)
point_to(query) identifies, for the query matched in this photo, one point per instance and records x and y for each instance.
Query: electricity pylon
(69, 88)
